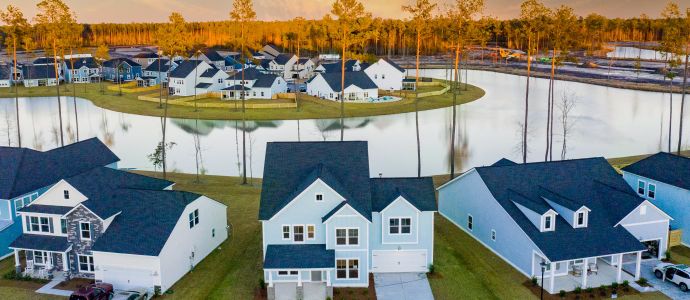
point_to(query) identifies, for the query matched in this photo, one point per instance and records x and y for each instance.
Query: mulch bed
(356, 293)
(595, 294)
(73, 284)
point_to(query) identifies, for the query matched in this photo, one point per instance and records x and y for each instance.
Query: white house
(211, 57)
(304, 68)
(193, 75)
(358, 86)
(386, 74)
(39, 75)
(158, 66)
(145, 58)
(270, 51)
(256, 85)
(283, 65)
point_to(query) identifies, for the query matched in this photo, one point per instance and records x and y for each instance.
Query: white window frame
(193, 218)
(651, 186)
(44, 257)
(644, 187)
(89, 263)
(399, 226)
(470, 222)
(306, 232)
(552, 222)
(289, 232)
(294, 233)
(576, 218)
(81, 231)
(347, 269)
(65, 194)
(288, 273)
(347, 236)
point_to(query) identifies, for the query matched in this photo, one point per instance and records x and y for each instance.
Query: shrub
(578, 290)
(602, 290)
(562, 294)
(668, 254)
(590, 290)
(328, 298)
(13, 275)
(642, 281)
(614, 285)
(431, 269)
(262, 283)
(534, 281)
(625, 285)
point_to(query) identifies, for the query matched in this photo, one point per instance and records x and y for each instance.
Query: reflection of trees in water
(461, 152)
(329, 127)
(124, 124)
(205, 127)
(106, 132)
(7, 126)
(237, 146)
(71, 136)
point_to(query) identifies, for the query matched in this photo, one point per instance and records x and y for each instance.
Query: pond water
(605, 122)
(635, 52)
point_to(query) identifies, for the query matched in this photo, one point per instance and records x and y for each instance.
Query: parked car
(135, 294)
(95, 291)
(677, 274)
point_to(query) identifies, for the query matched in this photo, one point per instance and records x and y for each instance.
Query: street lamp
(543, 268)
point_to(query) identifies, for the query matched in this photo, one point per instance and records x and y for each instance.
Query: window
(18, 204)
(640, 187)
(469, 222)
(286, 272)
(383, 76)
(399, 225)
(40, 257)
(347, 236)
(193, 218)
(376, 76)
(39, 224)
(298, 233)
(286, 232)
(394, 227)
(651, 191)
(548, 220)
(262, 94)
(65, 193)
(85, 263)
(347, 268)
(319, 197)
(493, 235)
(580, 218)
(311, 232)
(45, 224)
(85, 230)
(63, 226)
(220, 80)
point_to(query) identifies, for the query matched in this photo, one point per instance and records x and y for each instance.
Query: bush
(431, 269)
(562, 294)
(590, 290)
(602, 290)
(614, 285)
(578, 290)
(668, 254)
(642, 281)
(534, 281)
(262, 283)
(625, 285)
(13, 275)
(328, 298)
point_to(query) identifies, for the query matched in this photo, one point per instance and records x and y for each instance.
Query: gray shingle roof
(392, 63)
(41, 242)
(237, 87)
(153, 67)
(664, 167)
(46, 209)
(88, 62)
(146, 55)
(26, 170)
(184, 69)
(203, 85)
(210, 73)
(337, 67)
(212, 55)
(591, 182)
(333, 211)
(359, 79)
(113, 63)
(265, 80)
(283, 58)
(304, 256)
(38, 72)
(45, 60)
(418, 191)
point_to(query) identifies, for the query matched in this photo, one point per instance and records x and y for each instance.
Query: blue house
(81, 70)
(27, 174)
(326, 223)
(576, 222)
(123, 68)
(664, 179)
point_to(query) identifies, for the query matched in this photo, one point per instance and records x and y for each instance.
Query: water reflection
(609, 122)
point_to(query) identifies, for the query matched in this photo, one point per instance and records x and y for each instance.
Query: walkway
(51, 290)
(402, 286)
(667, 288)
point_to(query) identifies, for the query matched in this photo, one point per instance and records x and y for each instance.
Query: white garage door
(399, 261)
(128, 278)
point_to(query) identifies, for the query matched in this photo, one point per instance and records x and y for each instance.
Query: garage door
(128, 278)
(399, 261)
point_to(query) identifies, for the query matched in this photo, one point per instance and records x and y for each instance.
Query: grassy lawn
(310, 108)
(13, 289)
(680, 255)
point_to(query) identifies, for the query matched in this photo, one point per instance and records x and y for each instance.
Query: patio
(591, 272)
(606, 275)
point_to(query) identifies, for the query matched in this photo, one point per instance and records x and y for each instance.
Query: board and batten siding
(468, 195)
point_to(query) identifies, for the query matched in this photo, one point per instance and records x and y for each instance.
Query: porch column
(585, 268)
(552, 279)
(299, 277)
(270, 278)
(328, 278)
(17, 265)
(637, 265)
(620, 268)
(65, 262)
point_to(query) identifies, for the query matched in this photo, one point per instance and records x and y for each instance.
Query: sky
(126, 11)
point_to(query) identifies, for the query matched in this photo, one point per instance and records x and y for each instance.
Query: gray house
(575, 222)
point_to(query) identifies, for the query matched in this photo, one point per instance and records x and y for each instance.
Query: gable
(305, 203)
(55, 196)
(646, 212)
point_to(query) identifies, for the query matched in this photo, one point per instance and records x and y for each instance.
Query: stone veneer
(80, 246)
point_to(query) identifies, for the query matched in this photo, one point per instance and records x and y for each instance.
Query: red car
(95, 291)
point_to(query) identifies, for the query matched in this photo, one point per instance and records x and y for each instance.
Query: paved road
(402, 286)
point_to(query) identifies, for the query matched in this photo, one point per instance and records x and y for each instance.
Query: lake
(607, 122)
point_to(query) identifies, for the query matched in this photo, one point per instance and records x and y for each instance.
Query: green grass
(14, 289)
(680, 255)
(310, 107)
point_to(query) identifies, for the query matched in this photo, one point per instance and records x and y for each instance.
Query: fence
(131, 87)
(675, 237)
(189, 101)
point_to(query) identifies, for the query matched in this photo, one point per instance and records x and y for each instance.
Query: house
(232, 64)
(664, 180)
(257, 55)
(39, 75)
(304, 68)
(386, 74)
(196, 76)
(329, 56)
(159, 67)
(351, 65)
(282, 65)
(211, 57)
(270, 51)
(576, 219)
(46, 61)
(145, 58)
(358, 86)
(28, 174)
(256, 85)
(6, 76)
(121, 69)
(81, 70)
(326, 223)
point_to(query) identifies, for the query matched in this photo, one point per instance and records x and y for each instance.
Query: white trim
(282, 232)
(81, 231)
(302, 193)
(347, 237)
(470, 227)
(399, 218)
(335, 214)
(396, 200)
(81, 205)
(585, 218)
(646, 202)
(347, 268)
(92, 263)
(306, 232)
(637, 188)
(645, 223)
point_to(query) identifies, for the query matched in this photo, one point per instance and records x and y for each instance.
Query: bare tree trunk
(16, 95)
(342, 90)
(549, 113)
(416, 108)
(524, 128)
(454, 85)
(74, 94)
(682, 101)
(670, 112)
(57, 88)
(244, 115)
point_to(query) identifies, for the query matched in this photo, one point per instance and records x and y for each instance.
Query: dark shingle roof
(5, 72)
(46, 209)
(210, 73)
(38, 72)
(337, 67)
(88, 62)
(664, 167)
(333, 211)
(283, 58)
(290, 167)
(303, 256)
(237, 87)
(150, 214)
(359, 79)
(184, 69)
(45, 60)
(418, 191)
(265, 80)
(590, 182)
(113, 63)
(146, 55)
(203, 85)
(41, 242)
(153, 67)
(212, 55)
(26, 170)
(504, 162)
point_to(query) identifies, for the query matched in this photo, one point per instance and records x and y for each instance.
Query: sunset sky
(125, 11)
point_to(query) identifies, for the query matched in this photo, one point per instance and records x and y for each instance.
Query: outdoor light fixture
(543, 268)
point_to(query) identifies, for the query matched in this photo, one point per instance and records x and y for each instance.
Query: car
(677, 274)
(134, 294)
(94, 291)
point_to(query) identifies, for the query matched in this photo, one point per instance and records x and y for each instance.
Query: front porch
(299, 271)
(590, 272)
(41, 256)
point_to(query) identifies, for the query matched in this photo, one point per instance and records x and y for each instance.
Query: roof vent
(380, 175)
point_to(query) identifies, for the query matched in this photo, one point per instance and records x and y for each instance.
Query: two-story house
(256, 85)
(351, 65)
(145, 58)
(39, 75)
(326, 223)
(304, 68)
(117, 227)
(358, 86)
(121, 69)
(575, 223)
(196, 76)
(664, 180)
(211, 57)
(81, 70)
(386, 74)
(157, 72)
(27, 174)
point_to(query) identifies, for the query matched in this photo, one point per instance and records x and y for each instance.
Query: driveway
(402, 286)
(667, 288)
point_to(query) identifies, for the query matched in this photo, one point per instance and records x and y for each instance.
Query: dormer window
(65, 193)
(581, 218)
(548, 221)
(640, 187)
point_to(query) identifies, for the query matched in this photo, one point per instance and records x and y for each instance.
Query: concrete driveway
(667, 288)
(402, 286)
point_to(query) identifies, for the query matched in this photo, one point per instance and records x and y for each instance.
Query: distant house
(145, 58)
(232, 64)
(329, 56)
(358, 86)
(282, 65)
(6, 76)
(151, 73)
(258, 55)
(211, 57)
(45, 61)
(664, 179)
(351, 65)
(81, 70)
(39, 75)
(271, 51)
(256, 85)
(386, 74)
(304, 68)
(121, 69)
(577, 219)
(196, 76)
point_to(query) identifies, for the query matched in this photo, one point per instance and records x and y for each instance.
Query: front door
(316, 276)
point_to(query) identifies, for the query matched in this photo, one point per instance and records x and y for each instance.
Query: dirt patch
(73, 284)
(592, 293)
